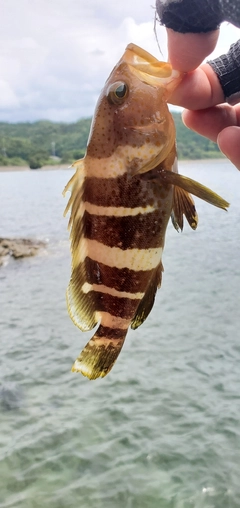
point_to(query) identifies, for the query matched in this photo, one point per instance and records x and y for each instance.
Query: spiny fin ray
(193, 187)
(81, 306)
(147, 302)
(75, 186)
(183, 204)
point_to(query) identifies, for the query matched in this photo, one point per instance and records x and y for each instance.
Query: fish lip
(150, 70)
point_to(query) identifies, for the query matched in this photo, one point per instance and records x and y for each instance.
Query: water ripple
(162, 430)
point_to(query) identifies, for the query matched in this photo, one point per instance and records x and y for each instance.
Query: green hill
(33, 144)
(191, 145)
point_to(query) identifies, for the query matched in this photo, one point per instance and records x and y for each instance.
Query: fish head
(132, 119)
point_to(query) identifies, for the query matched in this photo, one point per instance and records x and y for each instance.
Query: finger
(187, 51)
(210, 122)
(199, 89)
(229, 143)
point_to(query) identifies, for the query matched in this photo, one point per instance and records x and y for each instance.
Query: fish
(123, 193)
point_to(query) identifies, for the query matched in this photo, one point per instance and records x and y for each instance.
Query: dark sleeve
(227, 68)
(197, 16)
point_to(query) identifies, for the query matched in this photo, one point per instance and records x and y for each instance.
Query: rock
(19, 248)
(3, 260)
(11, 397)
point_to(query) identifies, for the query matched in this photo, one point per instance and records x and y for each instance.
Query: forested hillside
(39, 143)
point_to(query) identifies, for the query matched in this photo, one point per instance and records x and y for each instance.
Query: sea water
(162, 430)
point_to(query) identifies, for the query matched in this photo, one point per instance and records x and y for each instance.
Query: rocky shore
(19, 248)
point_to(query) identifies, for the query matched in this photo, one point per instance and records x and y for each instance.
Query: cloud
(8, 99)
(55, 56)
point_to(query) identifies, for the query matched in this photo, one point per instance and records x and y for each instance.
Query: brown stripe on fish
(114, 333)
(138, 232)
(87, 303)
(121, 279)
(91, 298)
(125, 191)
(123, 308)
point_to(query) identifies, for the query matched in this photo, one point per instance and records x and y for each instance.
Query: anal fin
(147, 302)
(183, 204)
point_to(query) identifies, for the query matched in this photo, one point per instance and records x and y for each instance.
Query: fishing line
(156, 18)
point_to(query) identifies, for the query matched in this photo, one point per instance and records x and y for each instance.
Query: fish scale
(122, 195)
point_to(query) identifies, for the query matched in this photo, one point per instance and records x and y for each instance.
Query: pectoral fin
(183, 204)
(193, 187)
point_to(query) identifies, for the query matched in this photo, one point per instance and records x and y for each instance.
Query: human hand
(221, 124)
(186, 51)
(200, 92)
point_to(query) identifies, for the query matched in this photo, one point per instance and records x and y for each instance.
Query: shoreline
(10, 169)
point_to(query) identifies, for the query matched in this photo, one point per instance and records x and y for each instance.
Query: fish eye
(117, 92)
(121, 91)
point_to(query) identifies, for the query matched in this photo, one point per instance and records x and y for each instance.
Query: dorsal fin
(75, 186)
(81, 306)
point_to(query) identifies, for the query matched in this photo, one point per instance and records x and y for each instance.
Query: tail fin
(100, 353)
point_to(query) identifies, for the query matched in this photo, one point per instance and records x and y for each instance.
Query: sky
(55, 55)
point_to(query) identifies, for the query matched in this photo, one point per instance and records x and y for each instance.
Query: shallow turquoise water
(162, 429)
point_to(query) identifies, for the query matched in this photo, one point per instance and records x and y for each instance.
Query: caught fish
(122, 195)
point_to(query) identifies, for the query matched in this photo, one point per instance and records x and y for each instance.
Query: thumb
(228, 141)
(187, 51)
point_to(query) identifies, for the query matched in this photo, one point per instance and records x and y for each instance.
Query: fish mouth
(149, 69)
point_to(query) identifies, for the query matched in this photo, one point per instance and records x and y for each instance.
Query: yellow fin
(75, 186)
(183, 204)
(100, 353)
(147, 302)
(78, 165)
(193, 187)
(81, 306)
